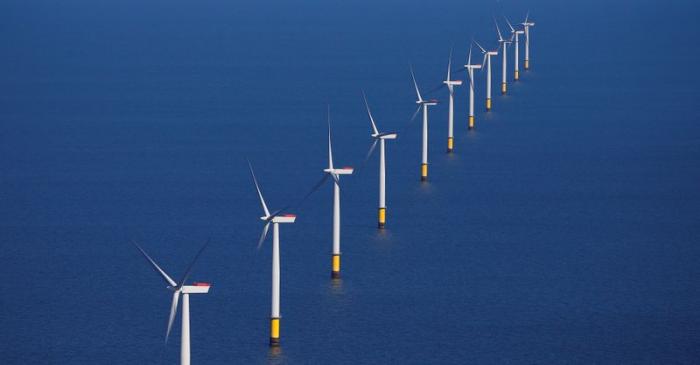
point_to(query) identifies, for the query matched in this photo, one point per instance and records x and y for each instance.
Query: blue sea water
(563, 229)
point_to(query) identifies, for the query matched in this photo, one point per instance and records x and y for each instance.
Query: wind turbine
(180, 289)
(379, 137)
(487, 61)
(335, 174)
(450, 86)
(275, 219)
(470, 72)
(526, 26)
(504, 44)
(516, 34)
(423, 104)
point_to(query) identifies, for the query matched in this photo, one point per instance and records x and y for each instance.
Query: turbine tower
(335, 174)
(179, 289)
(470, 73)
(516, 64)
(275, 219)
(504, 44)
(380, 137)
(526, 26)
(424, 104)
(450, 119)
(487, 61)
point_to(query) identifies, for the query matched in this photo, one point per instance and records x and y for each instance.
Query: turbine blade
(263, 235)
(335, 177)
(469, 58)
(155, 266)
(173, 313)
(416, 85)
(500, 37)
(367, 156)
(527, 16)
(369, 113)
(512, 30)
(313, 190)
(187, 273)
(449, 65)
(415, 113)
(478, 45)
(257, 187)
(330, 149)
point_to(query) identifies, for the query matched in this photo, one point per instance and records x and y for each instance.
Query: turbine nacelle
(386, 135)
(452, 82)
(282, 218)
(341, 171)
(196, 288)
(492, 53)
(427, 102)
(475, 67)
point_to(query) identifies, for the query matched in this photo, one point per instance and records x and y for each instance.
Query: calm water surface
(564, 229)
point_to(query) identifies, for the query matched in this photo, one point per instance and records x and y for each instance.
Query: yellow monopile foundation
(274, 331)
(382, 217)
(488, 104)
(471, 122)
(504, 88)
(527, 64)
(335, 273)
(450, 144)
(517, 75)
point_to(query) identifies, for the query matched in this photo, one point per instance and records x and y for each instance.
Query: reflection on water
(275, 356)
(336, 287)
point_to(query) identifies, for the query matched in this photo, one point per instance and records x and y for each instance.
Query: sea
(563, 229)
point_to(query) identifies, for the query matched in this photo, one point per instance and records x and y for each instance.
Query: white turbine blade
(155, 266)
(187, 273)
(471, 82)
(527, 16)
(369, 113)
(478, 45)
(512, 30)
(416, 85)
(335, 177)
(173, 313)
(263, 235)
(416, 113)
(313, 190)
(257, 187)
(500, 37)
(449, 66)
(330, 149)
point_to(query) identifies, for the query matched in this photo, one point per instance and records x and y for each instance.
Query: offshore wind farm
(556, 223)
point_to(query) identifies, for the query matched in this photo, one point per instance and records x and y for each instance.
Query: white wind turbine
(487, 61)
(516, 34)
(379, 137)
(424, 104)
(184, 290)
(526, 26)
(450, 119)
(335, 174)
(504, 44)
(275, 219)
(470, 73)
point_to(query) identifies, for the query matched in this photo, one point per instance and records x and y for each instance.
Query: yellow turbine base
(335, 273)
(504, 88)
(488, 104)
(517, 75)
(424, 172)
(450, 144)
(382, 217)
(471, 122)
(527, 64)
(274, 331)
